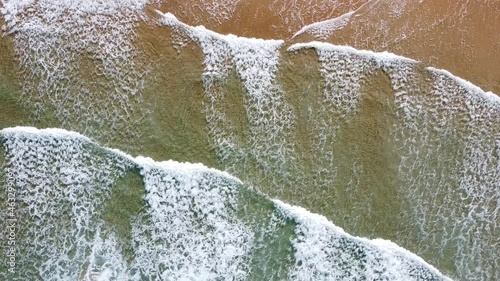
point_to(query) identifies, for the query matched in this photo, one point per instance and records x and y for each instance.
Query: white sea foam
(256, 62)
(471, 88)
(296, 14)
(449, 169)
(325, 252)
(193, 235)
(172, 165)
(51, 132)
(448, 137)
(244, 50)
(322, 46)
(12, 9)
(59, 174)
(61, 186)
(451, 218)
(344, 70)
(78, 60)
(209, 12)
(189, 228)
(325, 28)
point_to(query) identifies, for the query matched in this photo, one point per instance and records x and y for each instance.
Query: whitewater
(196, 223)
(373, 146)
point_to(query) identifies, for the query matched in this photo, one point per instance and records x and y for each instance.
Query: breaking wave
(194, 223)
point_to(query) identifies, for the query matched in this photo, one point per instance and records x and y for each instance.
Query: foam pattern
(325, 252)
(323, 29)
(62, 184)
(220, 11)
(424, 120)
(447, 140)
(191, 233)
(193, 227)
(208, 12)
(344, 71)
(298, 13)
(450, 170)
(78, 63)
(439, 117)
(256, 62)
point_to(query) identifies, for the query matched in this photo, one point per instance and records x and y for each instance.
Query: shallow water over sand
(383, 146)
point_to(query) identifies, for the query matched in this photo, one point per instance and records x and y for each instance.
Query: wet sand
(269, 19)
(461, 37)
(175, 97)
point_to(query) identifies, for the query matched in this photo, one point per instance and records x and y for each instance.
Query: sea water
(378, 144)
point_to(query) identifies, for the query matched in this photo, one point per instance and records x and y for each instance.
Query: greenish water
(382, 146)
(126, 203)
(92, 212)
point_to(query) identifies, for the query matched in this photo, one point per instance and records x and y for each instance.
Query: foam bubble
(192, 233)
